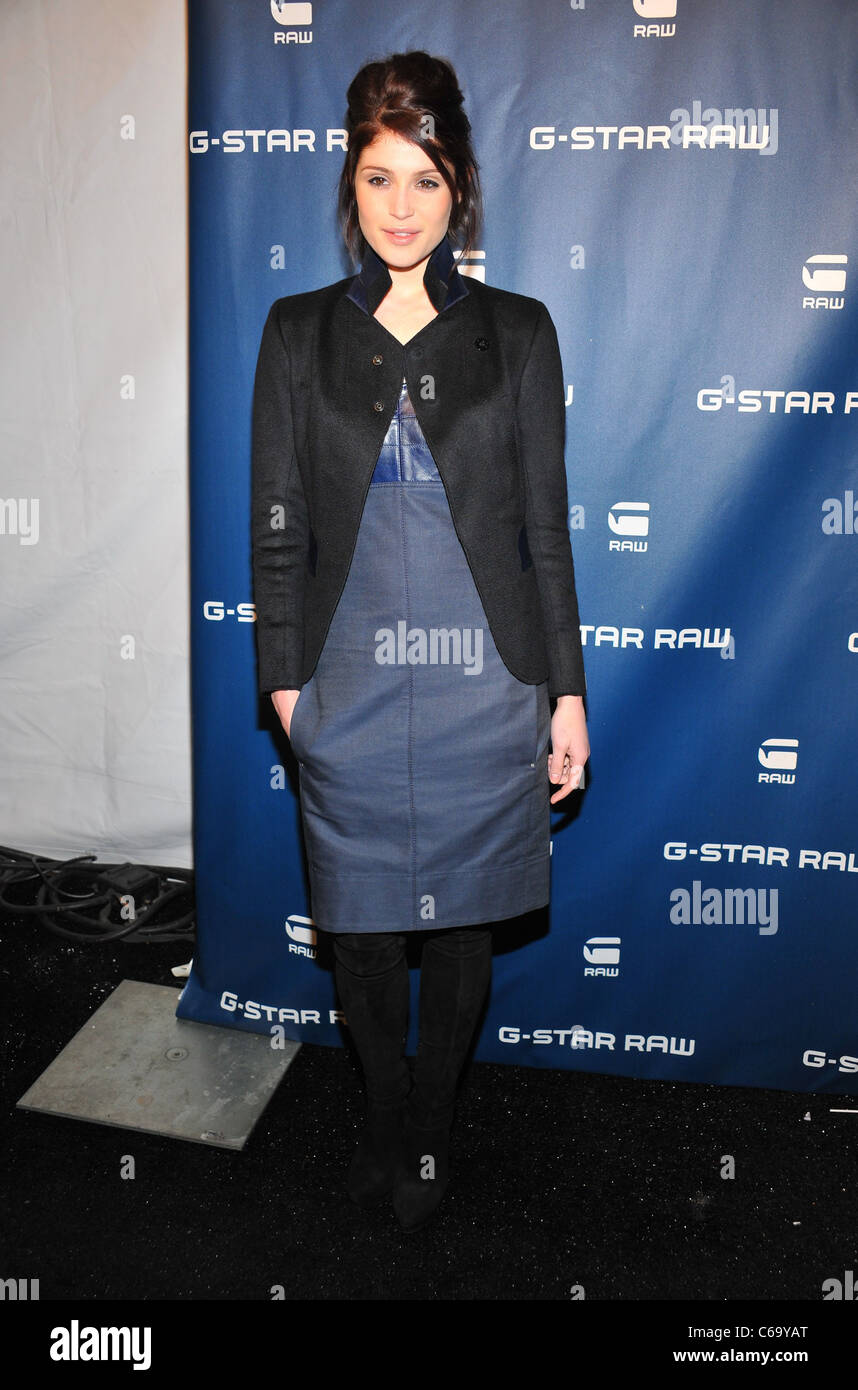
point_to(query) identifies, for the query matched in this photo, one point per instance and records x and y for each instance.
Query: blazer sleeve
(541, 424)
(279, 519)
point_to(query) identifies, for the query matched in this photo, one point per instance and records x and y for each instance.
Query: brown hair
(395, 95)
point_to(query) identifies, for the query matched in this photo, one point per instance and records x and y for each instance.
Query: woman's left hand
(569, 744)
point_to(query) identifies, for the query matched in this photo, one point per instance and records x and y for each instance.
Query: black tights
(371, 973)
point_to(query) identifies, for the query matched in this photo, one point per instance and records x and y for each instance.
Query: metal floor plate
(135, 1065)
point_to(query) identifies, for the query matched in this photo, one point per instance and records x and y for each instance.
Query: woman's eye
(429, 183)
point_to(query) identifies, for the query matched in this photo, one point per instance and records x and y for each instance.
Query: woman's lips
(400, 236)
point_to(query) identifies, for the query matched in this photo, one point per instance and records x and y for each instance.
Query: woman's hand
(568, 740)
(284, 702)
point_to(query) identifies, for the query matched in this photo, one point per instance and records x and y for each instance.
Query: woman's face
(398, 191)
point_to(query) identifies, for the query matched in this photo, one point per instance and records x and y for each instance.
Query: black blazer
(486, 382)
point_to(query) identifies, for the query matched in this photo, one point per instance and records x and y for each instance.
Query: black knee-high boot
(371, 974)
(455, 977)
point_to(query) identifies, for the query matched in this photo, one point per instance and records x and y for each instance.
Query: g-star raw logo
(586, 1038)
(750, 401)
(603, 953)
(812, 1058)
(629, 519)
(826, 276)
(700, 128)
(293, 17)
(655, 9)
(274, 1013)
(780, 756)
(663, 638)
(770, 856)
(302, 937)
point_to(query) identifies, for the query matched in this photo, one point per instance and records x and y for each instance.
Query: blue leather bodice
(404, 456)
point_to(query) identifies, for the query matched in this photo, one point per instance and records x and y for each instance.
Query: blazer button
(481, 343)
(378, 405)
(377, 360)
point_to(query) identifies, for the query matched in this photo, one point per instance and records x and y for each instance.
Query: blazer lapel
(454, 372)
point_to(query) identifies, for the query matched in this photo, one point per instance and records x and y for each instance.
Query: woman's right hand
(284, 702)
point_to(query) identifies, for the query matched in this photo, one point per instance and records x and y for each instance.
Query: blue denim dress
(422, 760)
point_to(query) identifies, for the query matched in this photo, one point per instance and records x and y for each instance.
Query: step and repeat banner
(676, 182)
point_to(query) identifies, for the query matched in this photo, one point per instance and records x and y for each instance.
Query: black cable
(83, 900)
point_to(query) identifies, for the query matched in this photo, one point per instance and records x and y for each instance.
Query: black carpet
(561, 1180)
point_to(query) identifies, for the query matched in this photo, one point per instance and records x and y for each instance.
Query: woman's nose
(401, 201)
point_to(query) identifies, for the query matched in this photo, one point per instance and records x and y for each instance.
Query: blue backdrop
(677, 183)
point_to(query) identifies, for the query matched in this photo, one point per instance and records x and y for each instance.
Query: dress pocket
(295, 721)
(543, 722)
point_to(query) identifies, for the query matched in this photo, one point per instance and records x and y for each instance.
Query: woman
(416, 607)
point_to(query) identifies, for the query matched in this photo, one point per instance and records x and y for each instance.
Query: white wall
(94, 682)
